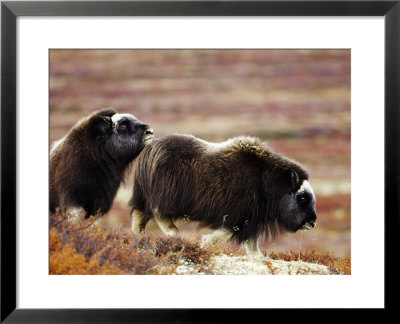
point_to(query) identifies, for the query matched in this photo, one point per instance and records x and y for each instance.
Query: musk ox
(240, 188)
(88, 164)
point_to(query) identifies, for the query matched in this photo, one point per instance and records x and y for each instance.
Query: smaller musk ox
(87, 166)
(240, 188)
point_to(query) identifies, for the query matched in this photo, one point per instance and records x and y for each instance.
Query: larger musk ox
(87, 166)
(240, 188)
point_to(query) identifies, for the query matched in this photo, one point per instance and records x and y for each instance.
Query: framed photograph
(317, 80)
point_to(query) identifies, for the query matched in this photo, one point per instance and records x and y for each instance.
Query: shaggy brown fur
(240, 186)
(88, 164)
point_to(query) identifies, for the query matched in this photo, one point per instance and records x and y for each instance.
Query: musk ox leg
(218, 236)
(166, 225)
(76, 214)
(139, 221)
(252, 248)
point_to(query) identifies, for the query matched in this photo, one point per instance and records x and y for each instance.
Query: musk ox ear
(105, 119)
(290, 180)
(104, 124)
(100, 122)
(295, 180)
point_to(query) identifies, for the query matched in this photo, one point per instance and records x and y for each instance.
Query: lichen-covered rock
(247, 265)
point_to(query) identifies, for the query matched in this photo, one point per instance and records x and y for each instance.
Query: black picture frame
(10, 10)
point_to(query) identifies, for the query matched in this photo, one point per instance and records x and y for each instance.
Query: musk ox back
(88, 164)
(240, 188)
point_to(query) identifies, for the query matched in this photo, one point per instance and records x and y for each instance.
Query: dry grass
(339, 265)
(90, 248)
(94, 248)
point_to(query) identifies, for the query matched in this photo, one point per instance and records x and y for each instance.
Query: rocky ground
(246, 265)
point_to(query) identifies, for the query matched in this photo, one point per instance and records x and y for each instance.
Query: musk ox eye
(123, 127)
(303, 199)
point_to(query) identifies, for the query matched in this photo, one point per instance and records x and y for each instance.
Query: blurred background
(296, 100)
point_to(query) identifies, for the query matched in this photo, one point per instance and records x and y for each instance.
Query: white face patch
(306, 187)
(117, 117)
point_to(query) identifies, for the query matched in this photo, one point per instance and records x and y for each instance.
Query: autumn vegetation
(91, 247)
(95, 248)
(341, 265)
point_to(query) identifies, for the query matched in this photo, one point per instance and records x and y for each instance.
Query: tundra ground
(94, 247)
